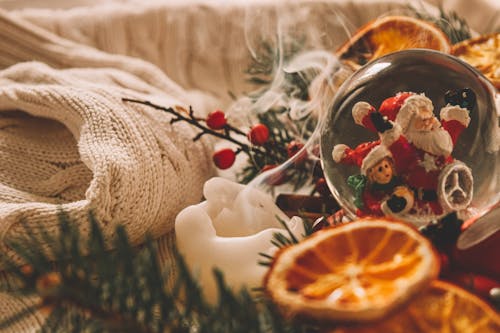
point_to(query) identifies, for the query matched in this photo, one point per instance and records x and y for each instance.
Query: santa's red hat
(365, 155)
(391, 106)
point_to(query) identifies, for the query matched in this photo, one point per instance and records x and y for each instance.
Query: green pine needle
(454, 26)
(280, 136)
(283, 130)
(281, 240)
(86, 287)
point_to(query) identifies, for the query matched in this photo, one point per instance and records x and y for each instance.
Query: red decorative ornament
(258, 134)
(293, 148)
(224, 158)
(321, 187)
(216, 120)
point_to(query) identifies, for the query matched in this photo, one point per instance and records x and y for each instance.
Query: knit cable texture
(68, 141)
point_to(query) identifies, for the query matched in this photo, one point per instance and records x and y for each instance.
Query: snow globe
(413, 135)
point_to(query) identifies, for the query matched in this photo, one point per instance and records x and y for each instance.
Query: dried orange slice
(441, 308)
(390, 34)
(355, 272)
(483, 53)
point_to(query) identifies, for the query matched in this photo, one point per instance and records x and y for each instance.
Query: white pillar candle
(228, 231)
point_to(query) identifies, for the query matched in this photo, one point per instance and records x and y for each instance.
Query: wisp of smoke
(317, 67)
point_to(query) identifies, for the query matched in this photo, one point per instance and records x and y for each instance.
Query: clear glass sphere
(419, 71)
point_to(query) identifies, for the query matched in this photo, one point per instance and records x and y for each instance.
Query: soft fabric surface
(121, 160)
(67, 140)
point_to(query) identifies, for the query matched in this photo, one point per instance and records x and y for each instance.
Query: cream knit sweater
(67, 140)
(66, 137)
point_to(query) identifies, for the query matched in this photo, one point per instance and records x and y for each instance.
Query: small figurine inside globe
(413, 135)
(410, 169)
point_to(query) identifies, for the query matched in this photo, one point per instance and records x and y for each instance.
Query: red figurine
(377, 188)
(421, 148)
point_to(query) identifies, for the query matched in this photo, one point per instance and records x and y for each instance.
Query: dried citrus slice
(483, 53)
(441, 308)
(390, 34)
(355, 272)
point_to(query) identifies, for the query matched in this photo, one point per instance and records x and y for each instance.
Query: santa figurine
(378, 190)
(421, 145)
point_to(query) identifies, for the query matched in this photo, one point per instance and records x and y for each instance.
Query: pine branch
(193, 121)
(272, 152)
(93, 289)
(282, 132)
(454, 26)
(281, 240)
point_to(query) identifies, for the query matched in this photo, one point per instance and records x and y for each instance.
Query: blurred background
(481, 15)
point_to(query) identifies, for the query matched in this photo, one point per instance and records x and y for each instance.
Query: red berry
(258, 134)
(293, 148)
(322, 187)
(216, 120)
(224, 158)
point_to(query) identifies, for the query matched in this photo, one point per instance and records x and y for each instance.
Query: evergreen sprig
(86, 287)
(282, 240)
(454, 26)
(267, 61)
(180, 114)
(272, 153)
(280, 137)
(263, 67)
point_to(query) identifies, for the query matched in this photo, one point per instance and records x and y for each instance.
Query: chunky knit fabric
(68, 141)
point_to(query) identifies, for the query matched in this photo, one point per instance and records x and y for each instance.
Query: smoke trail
(301, 77)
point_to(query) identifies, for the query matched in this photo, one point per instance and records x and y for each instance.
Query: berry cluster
(268, 144)
(224, 158)
(262, 144)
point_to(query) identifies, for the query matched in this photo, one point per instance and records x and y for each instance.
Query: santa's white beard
(437, 141)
